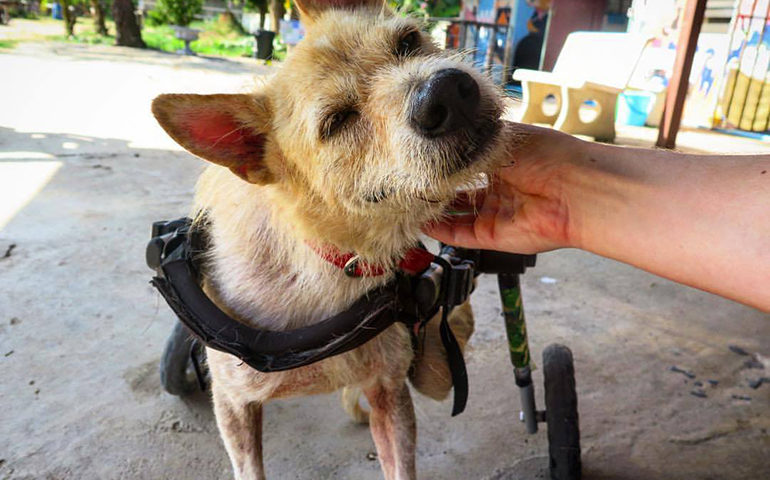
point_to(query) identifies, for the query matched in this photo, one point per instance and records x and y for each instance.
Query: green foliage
(235, 47)
(428, 8)
(211, 42)
(445, 8)
(179, 12)
(155, 17)
(7, 44)
(161, 38)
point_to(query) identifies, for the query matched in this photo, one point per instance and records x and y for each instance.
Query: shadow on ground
(105, 53)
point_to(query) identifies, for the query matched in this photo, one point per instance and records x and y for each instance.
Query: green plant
(162, 38)
(155, 18)
(428, 8)
(180, 12)
(7, 44)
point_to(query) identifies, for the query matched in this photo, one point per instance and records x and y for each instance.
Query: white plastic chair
(592, 67)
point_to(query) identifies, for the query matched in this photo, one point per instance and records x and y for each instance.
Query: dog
(360, 138)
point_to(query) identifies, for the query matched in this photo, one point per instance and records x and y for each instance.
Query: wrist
(595, 188)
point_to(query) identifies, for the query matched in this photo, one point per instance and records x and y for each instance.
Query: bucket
(264, 50)
(56, 11)
(634, 107)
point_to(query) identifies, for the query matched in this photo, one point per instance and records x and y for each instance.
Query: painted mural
(744, 100)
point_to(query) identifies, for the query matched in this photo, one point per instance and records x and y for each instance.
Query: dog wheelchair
(447, 282)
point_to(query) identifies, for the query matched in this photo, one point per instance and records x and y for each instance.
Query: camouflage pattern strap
(515, 324)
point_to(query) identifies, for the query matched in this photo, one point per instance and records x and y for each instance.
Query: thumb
(455, 230)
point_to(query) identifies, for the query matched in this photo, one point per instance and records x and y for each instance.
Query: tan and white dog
(359, 139)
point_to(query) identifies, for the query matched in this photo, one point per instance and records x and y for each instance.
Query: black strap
(456, 366)
(265, 350)
(453, 351)
(273, 351)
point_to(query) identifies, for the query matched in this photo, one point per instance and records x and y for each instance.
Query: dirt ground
(84, 170)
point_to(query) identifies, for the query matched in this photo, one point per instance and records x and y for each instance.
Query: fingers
(466, 201)
(455, 233)
(464, 218)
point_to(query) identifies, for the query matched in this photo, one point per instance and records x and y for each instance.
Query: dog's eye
(335, 121)
(408, 43)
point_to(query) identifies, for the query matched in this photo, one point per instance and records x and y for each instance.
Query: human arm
(701, 220)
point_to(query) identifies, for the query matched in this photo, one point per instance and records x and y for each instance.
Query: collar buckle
(351, 267)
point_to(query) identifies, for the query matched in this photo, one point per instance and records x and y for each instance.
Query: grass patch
(87, 37)
(210, 42)
(161, 38)
(8, 44)
(217, 38)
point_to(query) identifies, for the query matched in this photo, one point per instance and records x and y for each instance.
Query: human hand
(525, 207)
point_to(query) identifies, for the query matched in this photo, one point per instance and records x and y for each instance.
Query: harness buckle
(166, 237)
(351, 267)
(448, 281)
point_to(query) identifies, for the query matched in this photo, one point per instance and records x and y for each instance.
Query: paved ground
(83, 172)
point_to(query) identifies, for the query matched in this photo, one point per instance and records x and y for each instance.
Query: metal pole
(691, 21)
(508, 53)
(491, 43)
(518, 345)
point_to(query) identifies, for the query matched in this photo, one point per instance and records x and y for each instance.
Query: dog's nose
(445, 102)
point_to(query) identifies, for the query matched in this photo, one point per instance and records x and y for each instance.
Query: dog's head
(364, 133)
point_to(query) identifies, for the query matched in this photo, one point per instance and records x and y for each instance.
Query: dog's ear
(230, 130)
(311, 9)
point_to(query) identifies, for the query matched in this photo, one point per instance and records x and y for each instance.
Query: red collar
(415, 261)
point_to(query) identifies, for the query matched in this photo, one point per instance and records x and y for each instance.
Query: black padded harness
(174, 253)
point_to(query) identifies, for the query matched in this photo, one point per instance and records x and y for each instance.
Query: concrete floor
(84, 170)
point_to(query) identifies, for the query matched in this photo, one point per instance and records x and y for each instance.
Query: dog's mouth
(475, 146)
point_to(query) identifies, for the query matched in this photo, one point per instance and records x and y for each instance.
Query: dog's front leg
(393, 428)
(241, 428)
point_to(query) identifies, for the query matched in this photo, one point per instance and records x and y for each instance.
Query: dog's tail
(351, 404)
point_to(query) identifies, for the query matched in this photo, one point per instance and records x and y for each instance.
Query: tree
(278, 11)
(99, 25)
(255, 5)
(127, 32)
(260, 5)
(69, 15)
(230, 21)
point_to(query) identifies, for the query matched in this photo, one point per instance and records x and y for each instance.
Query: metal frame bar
(489, 54)
(691, 21)
(518, 345)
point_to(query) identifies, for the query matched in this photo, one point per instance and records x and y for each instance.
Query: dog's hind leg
(241, 430)
(430, 373)
(350, 397)
(394, 430)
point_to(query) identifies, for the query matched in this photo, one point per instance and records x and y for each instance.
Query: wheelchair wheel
(561, 413)
(177, 372)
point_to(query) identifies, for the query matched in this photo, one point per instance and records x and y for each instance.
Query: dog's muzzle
(448, 101)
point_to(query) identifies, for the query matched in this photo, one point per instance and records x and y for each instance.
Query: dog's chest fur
(267, 277)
